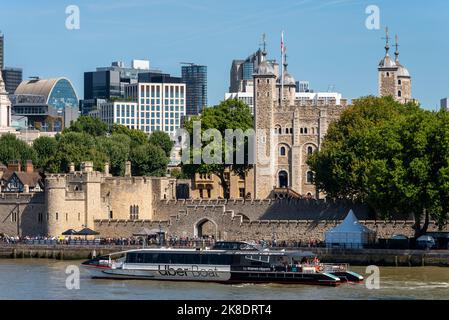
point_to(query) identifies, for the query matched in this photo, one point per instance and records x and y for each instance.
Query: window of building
(208, 193)
(399, 82)
(56, 216)
(309, 177)
(399, 93)
(111, 216)
(242, 192)
(309, 150)
(282, 151)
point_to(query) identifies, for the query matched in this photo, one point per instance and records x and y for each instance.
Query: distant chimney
(128, 168)
(29, 168)
(87, 166)
(106, 168)
(15, 166)
(72, 167)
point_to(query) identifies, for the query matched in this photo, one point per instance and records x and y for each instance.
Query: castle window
(305, 130)
(309, 177)
(282, 151)
(301, 130)
(242, 192)
(56, 215)
(399, 82)
(258, 80)
(111, 216)
(268, 80)
(388, 74)
(399, 93)
(309, 150)
(66, 217)
(208, 193)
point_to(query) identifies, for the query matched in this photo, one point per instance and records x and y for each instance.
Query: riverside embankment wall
(362, 257)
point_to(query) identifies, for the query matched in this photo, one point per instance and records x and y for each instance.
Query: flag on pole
(282, 65)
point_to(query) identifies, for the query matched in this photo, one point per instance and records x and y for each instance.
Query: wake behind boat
(226, 262)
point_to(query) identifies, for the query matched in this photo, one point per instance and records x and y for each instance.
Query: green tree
(12, 149)
(45, 148)
(137, 137)
(148, 160)
(76, 147)
(89, 125)
(117, 147)
(229, 114)
(388, 155)
(162, 139)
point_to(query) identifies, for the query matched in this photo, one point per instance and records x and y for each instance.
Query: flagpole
(282, 66)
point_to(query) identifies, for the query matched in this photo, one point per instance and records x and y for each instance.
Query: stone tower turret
(394, 78)
(264, 102)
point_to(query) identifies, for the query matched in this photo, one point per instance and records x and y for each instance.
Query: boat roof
(292, 253)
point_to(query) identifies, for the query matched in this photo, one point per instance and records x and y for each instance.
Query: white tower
(5, 107)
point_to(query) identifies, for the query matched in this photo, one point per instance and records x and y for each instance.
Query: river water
(46, 279)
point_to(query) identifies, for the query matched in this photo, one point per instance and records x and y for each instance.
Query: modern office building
(2, 51)
(241, 74)
(246, 97)
(195, 78)
(49, 104)
(117, 112)
(109, 82)
(160, 106)
(157, 77)
(12, 78)
(303, 86)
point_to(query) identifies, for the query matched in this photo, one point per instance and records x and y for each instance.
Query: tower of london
(289, 129)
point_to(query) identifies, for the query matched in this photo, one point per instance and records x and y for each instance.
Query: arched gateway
(205, 227)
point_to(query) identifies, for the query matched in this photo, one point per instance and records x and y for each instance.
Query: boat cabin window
(178, 258)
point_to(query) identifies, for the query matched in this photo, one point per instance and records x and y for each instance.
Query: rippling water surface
(46, 279)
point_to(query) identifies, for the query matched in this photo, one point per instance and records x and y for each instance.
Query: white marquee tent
(350, 234)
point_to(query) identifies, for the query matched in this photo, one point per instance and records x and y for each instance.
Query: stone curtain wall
(19, 214)
(240, 220)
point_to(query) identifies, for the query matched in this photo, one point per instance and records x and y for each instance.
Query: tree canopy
(89, 139)
(228, 115)
(12, 149)
(392, 156)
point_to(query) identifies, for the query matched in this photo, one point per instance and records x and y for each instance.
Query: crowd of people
(170, 240)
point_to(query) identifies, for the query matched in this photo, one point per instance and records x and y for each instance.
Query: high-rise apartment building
(195, 78)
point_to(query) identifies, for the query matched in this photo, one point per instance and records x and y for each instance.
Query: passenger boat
(225, 262)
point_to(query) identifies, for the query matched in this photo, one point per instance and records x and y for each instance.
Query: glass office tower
(195, 78)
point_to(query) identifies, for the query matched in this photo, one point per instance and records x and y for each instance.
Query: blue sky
(328, 43)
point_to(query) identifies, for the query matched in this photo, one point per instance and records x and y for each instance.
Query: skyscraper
(195, 78)
(12, 78)
(2, 49)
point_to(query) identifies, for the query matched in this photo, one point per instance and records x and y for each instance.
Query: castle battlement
(7, 198)
(127, 180)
